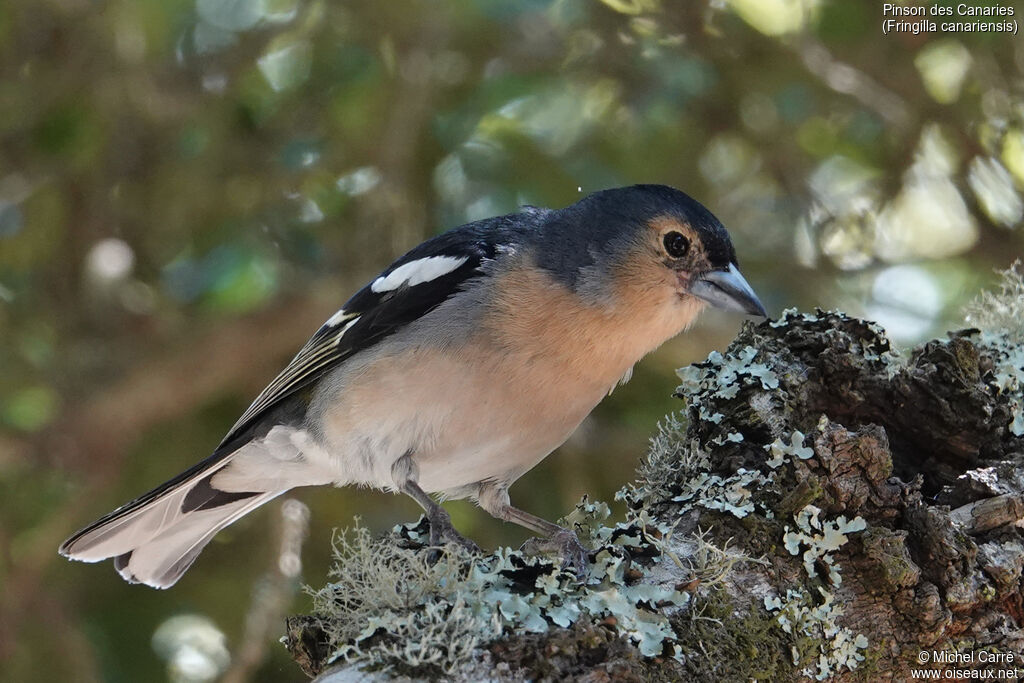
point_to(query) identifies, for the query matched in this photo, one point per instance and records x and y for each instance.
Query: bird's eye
(676, 244)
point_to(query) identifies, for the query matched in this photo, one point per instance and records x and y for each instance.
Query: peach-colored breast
(493, 406)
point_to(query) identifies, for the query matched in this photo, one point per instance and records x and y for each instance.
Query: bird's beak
(729, 291)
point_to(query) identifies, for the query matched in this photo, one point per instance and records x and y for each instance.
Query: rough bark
(828, 510)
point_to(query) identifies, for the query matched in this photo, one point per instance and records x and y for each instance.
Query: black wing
(373, 313)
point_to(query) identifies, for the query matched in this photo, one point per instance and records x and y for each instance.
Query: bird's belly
(467, 454)
(463, 417)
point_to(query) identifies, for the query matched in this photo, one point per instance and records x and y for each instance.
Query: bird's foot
(442, 532)
(574, 555)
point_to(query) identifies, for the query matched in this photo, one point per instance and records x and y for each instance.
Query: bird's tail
(158, 536)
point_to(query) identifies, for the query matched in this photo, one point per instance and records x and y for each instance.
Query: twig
(272, 593)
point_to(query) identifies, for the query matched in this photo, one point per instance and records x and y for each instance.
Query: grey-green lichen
(389, 606)
(678, 471)
(1008, 371)
(821, 538)
(1000, 316)
(1001, 310)
(725, 373)
(781, 451)
(831, 646)
(821, 647)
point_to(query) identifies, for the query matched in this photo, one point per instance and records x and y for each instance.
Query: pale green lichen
(389, 606)
(670, 458)
(726, 372)
(867, 348)
(821, 538)
(684, 469)
(732, 494)
(1001, 311)
(1008, 371)
(1000, 316)
(780, 450)
(706, 563)
(677, 471)
(789, 314)
(821, 647)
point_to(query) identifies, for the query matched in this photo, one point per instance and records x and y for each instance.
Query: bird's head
(647, 240)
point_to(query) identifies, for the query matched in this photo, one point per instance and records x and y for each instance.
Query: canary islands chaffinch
(459, 368)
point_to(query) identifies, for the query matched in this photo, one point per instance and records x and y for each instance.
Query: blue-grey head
(658, 235)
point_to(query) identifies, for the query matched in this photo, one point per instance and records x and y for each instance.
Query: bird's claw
(442, 532)
(574, 555)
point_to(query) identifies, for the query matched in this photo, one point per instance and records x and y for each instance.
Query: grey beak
(729, 291)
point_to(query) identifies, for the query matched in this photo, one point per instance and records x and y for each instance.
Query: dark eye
(676, 244)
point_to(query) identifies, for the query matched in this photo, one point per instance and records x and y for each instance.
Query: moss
(803, 494)
(761, 536)
(719, 642)
(892, 567)
(870, 670)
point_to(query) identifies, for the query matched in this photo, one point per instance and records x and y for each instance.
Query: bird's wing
(408, 289)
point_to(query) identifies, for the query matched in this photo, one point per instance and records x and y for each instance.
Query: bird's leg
(441, 529)
(494, 499)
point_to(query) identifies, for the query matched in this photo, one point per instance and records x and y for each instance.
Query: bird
(459, 368)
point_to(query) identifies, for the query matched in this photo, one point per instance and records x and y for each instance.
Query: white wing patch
(338, 317)
(417, 272)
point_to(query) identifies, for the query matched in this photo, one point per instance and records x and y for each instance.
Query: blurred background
(188, 188)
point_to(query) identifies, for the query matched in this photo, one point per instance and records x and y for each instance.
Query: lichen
(821, 647)
(678, 472)
(821, 537)
(389, 607)
(726, 373)
(1001, 311)
(780, 450)
(670, 458)
(704, 562)
(1007, 374)
(1000, 317)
